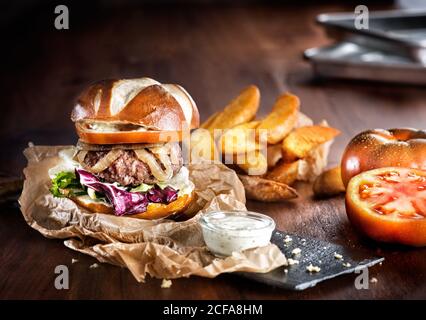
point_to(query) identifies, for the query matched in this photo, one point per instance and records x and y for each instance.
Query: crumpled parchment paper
(161, 248)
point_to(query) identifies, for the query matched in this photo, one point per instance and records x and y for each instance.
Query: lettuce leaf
(143, 187)
(65, 183)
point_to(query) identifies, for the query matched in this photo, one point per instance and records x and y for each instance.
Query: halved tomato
(389, 204)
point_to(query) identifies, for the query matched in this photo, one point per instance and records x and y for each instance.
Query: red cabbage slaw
(123, 201)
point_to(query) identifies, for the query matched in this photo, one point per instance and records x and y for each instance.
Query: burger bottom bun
(154, 210)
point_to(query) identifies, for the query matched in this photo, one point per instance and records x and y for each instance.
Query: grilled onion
(81, 155)
(162, 149)
(165, 161)
(104, 162)
(169, 149)
(156, 170)
(175, 154)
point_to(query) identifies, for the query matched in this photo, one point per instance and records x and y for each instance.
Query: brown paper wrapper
(160, 248)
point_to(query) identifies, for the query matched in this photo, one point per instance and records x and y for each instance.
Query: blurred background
(212, 48)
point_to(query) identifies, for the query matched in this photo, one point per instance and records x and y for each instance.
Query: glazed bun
(133, 111)
(154, 210)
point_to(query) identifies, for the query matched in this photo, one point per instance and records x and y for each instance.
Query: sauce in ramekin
(234, 231)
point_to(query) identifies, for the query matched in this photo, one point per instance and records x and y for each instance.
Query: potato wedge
(282, 119)
(202, 146)
(274, 154)
(314, 163)
(253, 163)
(303, 120)
(284, 172)
(248, 125)
(329, 183)
(207, 124)
(302, 140)
(266, 190)
(240, 110)
(240, 139)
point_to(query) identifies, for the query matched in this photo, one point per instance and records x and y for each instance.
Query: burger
(128, 159)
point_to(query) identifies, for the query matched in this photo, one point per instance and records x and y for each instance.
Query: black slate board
(316, 252)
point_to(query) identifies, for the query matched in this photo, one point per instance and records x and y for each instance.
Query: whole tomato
(380, 148)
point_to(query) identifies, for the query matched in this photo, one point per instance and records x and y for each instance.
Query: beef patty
(127, 169)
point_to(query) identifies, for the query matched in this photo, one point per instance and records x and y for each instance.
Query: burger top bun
(141, 102)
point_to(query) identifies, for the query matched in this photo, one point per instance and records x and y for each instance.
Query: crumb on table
(311, 268)
(166, 283)
(287, 239)
(296, 251)
(338, 256)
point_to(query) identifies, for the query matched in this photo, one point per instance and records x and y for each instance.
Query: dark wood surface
(213, 52)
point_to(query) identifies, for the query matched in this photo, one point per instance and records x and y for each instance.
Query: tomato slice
(389, 204)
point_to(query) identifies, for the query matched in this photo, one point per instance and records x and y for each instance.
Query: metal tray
(398, 31)
(351, 61)
(316, 252)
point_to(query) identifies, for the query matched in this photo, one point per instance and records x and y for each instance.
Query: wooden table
(213, 52)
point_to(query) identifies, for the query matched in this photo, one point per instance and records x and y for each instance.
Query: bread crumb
(74, 261)
(93, 266)
(347, 265)
(374, 280)
(312, 268)
(338, 256)
(287, 239)
(296, 251)
(292, 261)
(166, 283)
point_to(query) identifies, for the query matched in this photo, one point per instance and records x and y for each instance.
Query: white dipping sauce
(234, 231)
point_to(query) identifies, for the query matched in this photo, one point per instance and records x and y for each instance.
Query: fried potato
(329, 183)
(248, 125)
(303, 120)
(315, 162)
(240, 139)
(202, 146)
(282, 119)
(284, 172)
(274, 154)
(311, 166)
(265, 190)
(302, 140)
(240, 110)
(253, 163)
(207, 124)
